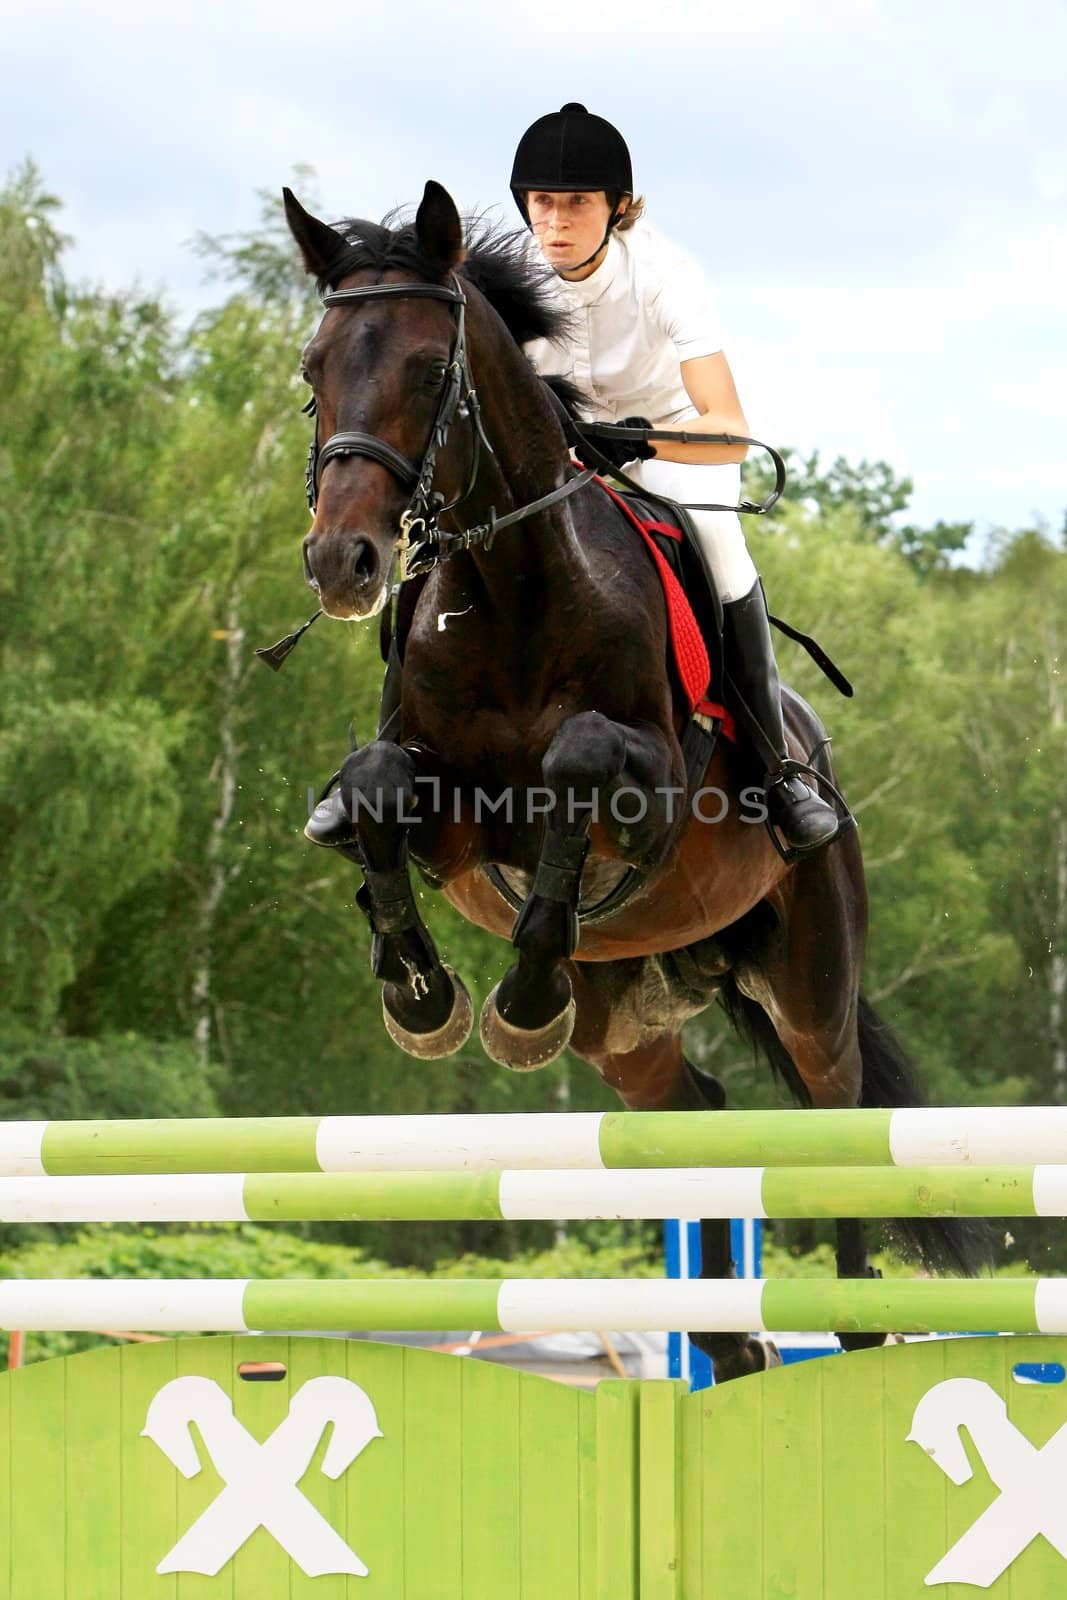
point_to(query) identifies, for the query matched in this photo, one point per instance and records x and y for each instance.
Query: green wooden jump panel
(394, 1474)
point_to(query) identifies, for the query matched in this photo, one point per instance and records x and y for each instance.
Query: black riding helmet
(571, 149)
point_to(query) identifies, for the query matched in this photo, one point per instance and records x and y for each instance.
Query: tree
(85, 792)
(1004, 631)
(33, 245)
(873, 497)
(935, 938)
(262, 262)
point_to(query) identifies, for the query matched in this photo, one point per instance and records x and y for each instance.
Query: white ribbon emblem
(1030, 1480)
(261, 1479)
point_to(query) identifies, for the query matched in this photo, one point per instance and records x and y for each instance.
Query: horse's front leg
(528, 1018)
(426, 1007)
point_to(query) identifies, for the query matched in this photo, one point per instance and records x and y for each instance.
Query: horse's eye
(435, 375)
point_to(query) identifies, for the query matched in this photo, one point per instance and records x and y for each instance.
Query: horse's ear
(319, 244)
(438, 227)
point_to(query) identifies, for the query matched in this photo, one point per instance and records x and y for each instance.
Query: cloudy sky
(877, 188)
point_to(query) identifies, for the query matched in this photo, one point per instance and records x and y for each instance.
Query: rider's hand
(620, 451)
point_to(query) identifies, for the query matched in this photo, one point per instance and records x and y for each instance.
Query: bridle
(418, 522)
(422, 543)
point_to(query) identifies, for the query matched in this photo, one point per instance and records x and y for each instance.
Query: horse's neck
(540, 556)
(532, 568)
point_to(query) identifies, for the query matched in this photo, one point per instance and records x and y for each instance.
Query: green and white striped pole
(1007, 1305)
(953, 1136)
(650, 1194)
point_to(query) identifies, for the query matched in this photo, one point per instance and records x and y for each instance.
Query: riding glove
(620, 451)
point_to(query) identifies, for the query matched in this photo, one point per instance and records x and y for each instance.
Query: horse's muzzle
(346, 572)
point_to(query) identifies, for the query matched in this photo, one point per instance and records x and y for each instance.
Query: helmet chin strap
(612, 220)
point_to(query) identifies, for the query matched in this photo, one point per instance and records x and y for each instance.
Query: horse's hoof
(868, 1341)
(443, 1041)
(523, 1049)
(732, 1357)
(772, 1356)
(755, 1355)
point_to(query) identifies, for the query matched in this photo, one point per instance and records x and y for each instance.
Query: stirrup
(789, 768)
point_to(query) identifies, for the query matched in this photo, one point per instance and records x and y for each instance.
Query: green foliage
(870, 494)
(33, 244)
(263, 263)
(87, 814)
(571, 1258)
(246, 1251)
(46, 1076)
(238, 1251)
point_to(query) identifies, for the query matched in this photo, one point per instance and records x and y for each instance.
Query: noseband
(419, 534)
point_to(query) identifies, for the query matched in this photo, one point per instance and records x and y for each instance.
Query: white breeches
(719, 532)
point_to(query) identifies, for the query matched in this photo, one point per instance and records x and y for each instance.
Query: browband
(409, 291)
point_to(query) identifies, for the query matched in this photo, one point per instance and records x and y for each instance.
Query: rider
(644, 338)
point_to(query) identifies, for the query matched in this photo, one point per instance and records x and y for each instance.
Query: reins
(422, 544)
(585, 435)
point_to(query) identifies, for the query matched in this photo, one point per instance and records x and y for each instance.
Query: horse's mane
(574, 400)
(498, 263)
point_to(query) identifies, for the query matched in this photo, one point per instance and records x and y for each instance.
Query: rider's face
(568, 227)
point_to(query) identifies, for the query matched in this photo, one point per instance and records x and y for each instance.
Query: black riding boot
(329, 823)
(805, 821)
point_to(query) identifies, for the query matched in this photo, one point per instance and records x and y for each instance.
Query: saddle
(694, 608)
(689, 587)
(695, 628)
(695, 618)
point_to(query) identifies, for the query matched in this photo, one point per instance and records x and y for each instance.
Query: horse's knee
(588, 749)
(378, 783)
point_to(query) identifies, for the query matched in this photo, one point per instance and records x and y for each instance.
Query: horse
(535, 757)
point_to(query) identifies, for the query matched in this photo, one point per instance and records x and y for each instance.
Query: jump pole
(1012, 1305)
(649, 1194)
(953, 1136)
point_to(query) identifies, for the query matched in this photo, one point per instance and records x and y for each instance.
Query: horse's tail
(942, 1244)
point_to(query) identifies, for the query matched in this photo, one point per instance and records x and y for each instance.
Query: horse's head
(378, 368)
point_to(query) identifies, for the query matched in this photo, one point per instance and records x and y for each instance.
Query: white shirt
(645, 309)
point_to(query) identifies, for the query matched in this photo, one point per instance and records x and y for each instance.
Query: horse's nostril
(364, 563)
(305, 551)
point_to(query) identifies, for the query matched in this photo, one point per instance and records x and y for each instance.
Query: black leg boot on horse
(733, 1355)
(528, 1018)
(425, 1005)
(805, 822)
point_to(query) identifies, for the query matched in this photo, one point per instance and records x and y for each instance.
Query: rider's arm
(710, 385)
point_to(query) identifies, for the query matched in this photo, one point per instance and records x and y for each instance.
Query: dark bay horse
(538, 757)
